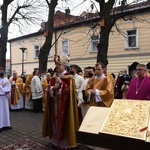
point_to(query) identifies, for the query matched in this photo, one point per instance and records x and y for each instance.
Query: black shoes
(5, 128)
(8, 127)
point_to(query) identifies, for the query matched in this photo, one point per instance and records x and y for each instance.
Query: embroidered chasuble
(16, 89)
(27, 86)
(106, 91)
(46, 89)
(61, 112)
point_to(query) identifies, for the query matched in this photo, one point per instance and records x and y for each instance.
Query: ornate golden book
(128, 118)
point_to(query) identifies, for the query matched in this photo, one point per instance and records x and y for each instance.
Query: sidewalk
(26, 124)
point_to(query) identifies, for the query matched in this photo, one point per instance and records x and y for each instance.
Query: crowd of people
(65, 94)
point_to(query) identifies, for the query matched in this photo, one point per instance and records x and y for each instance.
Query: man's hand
(3, 84)
(92, 91)
(58, 80)
(56, 86)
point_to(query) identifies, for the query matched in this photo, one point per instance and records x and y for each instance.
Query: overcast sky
(76, 8)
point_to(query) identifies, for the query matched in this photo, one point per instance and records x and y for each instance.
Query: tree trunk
(105, 17)
(3, 50)
(4, 35)
(103, 46)
(43, 56)
(45, 49)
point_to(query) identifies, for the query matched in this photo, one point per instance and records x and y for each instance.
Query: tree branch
(109, 6)
(17, 12)
(47, 2)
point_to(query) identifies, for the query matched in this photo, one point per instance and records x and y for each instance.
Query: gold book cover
(128, 118)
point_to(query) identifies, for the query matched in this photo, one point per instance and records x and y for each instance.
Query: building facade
(79, 39)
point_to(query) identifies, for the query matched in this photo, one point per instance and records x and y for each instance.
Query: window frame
(66, 40)
(92, 41)
(127, 37)
(35, 51)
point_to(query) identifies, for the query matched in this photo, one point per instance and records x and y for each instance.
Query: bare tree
(20, 13)
(45, 49)
(28, 10)
(109, 14)
(108, 17)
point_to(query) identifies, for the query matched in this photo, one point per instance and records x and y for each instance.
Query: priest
(16, 99)
(139, 87)
(100, 89)
(61, 114)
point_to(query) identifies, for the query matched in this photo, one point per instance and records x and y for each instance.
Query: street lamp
(23, 49)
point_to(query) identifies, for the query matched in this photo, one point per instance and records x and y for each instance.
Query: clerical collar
(62, 73)
(100, 77)
(75, 75)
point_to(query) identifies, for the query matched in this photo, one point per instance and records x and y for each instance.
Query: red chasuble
(65, 112)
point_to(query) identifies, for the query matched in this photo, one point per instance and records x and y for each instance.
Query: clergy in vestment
(16, 99)
(61, 114)
(99, 89)
(139, 86)
(109, 77)
(28, 85)
(37, 92)
(27, 91)
(46, 87)
(79, 82)
(5, 89)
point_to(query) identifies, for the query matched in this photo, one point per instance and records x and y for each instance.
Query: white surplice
(4, 105)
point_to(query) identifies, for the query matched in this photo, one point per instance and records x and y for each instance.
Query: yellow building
(79, 36)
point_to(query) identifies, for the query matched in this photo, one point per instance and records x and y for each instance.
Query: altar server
(5, 89)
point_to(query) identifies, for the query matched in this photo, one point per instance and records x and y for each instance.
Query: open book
(128, 118)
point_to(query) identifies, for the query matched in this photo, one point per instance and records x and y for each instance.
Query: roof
(63, 20)
(132, 8)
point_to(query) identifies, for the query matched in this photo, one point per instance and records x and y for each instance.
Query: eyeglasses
(98, 69)
(140, 69)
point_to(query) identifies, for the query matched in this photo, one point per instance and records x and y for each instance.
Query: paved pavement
(26, 124)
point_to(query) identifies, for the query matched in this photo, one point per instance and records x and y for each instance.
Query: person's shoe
(1, 130)
(8, 127)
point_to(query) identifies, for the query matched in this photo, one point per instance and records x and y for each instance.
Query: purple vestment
(139, 88)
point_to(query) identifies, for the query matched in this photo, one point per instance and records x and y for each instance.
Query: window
(36, 51)
(94, 43)
(65, 46)
(131, 40)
